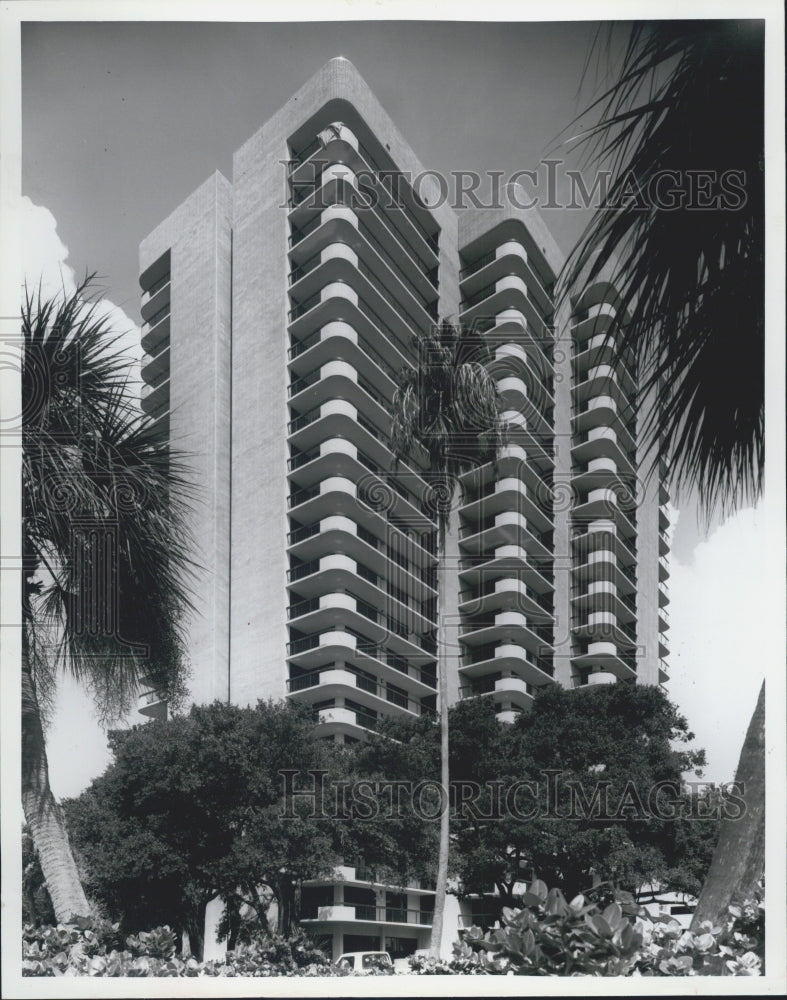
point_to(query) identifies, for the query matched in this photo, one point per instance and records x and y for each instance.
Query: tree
(104, 548)
(36, 904)
(687, 105)
(574, 802)
(447, 408)
(192, 808)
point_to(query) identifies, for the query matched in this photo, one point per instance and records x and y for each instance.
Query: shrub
(549, 936)
(88, 947)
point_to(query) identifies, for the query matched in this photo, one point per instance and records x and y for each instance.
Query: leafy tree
(104, 548)
(447, 408)
(195, 807)
(396, 840)
(619, 741)
(688, 100)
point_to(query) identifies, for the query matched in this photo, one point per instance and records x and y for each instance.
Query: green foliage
(549, 936)
(191, 808)
(621, 739)
(100, 489)
(88, 947)
(690, 282)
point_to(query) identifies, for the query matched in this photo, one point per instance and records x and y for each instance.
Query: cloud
(77, 746)
(45, 262)
(723, 615)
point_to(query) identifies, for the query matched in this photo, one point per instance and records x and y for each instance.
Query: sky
(122, 121)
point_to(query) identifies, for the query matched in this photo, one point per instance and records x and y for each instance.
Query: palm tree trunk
(446, 611)
(739, 859)
(42, 813)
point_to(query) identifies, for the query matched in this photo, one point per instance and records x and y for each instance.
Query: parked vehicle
(365, 962)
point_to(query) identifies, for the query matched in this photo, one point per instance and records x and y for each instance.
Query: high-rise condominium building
(278, 311)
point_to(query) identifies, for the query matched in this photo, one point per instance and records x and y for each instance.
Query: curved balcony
(155, 367)
(322, 649)
(600, 381)
(341, 146)
(592, 325)
(340, 680)
(602, 565)
(359, 249)
(506, 259)
(539, 446)
(509, 495)
(604, 627)
(155, 400)
(604, 656)
(339, 584)
(154, 304)
(607, 504)
(341, 721)
(341, 535)
(595, 678)
(508, 627)
(600, 351)
(513, 392)
(506, 561)
(604, 411)
(512, 463)
(509, 658)
(155, 335)
(594, 599)
(502, 529)
(353, 581)
(603, 533)
(513, 692)
(602, 442)
(504, 594)
(483, 309)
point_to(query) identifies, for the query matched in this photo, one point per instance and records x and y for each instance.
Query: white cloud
(77, 746)
(724, 616)
(45, 261)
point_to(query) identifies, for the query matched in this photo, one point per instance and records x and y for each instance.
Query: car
(363, 963)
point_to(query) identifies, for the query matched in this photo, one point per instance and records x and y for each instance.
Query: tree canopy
(576, 777)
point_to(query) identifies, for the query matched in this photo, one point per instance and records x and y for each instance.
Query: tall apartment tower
(278, 310)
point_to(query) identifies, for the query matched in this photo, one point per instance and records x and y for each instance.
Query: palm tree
(447, 408)
(687, 108)
(104, 548)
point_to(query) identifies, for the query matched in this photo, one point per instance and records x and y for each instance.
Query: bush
(89, 947)
(549, 936)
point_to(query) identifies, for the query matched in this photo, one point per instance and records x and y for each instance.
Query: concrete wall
(198, 234)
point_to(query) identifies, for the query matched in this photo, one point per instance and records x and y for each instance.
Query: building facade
(278, 310)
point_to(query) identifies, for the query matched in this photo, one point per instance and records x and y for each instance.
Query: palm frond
(447, 406)
(105, 512)
(691, 280)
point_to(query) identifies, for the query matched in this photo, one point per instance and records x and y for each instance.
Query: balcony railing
(303, 154)
(429, 239)
(299, 234)
(157, 317)
(391, 914)
(487, 652)
(395, 267)
(297, 497)
(158, 285)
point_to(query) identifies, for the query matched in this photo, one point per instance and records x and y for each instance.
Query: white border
(773, 507)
